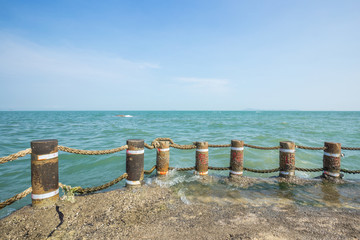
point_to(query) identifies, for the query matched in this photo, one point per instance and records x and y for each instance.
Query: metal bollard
(287, 159)
(135, 162)
(332, 160)
(44, 172)
(202, 158)
(162, 158)
(236, 158)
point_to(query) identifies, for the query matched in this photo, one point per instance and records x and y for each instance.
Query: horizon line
(182, 110)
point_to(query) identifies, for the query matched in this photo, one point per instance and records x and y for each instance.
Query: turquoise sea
(95, 130)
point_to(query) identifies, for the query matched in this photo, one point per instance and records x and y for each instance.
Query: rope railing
(135, 158)
(309, 169)
(150, 171)
(261, 148)
(219, 168)
(310, 148)
(183, 147)
(80, 190)
(69, 189)
(219, 145)
(15, 156)
(261, 171)
(350, 171)
(154, 144)
(149, 146)
(350, 148)
(15, 198)
(91, 152)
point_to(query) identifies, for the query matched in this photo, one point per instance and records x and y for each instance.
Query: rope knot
(156, 144)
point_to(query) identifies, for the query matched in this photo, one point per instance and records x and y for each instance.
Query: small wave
(183, 198)
(127, 116)
(173, 178)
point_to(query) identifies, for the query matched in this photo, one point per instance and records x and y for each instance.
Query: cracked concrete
(153, 212)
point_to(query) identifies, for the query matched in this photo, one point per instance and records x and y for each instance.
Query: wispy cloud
(21, 58)
(212, 85)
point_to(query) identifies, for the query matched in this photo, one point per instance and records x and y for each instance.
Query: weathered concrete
(152, 212)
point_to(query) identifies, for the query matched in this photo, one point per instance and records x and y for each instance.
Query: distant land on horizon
(181, 110)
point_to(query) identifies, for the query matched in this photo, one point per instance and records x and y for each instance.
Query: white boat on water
(124, 116)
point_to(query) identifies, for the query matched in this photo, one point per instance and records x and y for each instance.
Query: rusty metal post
(202, 158)
(287, 159)
(44, 172)
(332, 160)
(162, 158)
(236, 158)
(135, 162)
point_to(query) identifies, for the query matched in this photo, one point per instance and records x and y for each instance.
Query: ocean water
(95, 130)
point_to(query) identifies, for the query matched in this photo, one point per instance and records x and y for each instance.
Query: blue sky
(180, 55)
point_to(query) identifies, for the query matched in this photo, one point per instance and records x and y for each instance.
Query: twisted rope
(182, 169)
(219, 145)
(155, 143)
(261, 148)
(227, 168)
(15, 198)
(350, 148)
(309, 169)
(15, 156)
(350, 171)
(183, 147)
(262, 171)
(163, 139)
(218, 168)
(91, 152)
(81, 190)
(148, 146)
(150, 171)
(310, 148)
